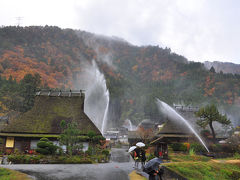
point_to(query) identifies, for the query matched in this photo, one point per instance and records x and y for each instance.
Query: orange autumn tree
(146, 134)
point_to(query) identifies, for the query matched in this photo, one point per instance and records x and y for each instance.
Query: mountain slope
(225, 67)
(135, 75)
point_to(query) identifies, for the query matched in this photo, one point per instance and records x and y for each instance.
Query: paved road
(104, 171)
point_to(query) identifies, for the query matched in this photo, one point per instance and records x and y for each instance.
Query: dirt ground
(233, 161)
(134, 176)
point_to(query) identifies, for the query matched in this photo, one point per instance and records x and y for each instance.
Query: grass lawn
(8, 174)
(200, 167)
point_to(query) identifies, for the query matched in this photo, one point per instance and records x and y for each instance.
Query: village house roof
(50, 108)
(171, 127)
(171, 130)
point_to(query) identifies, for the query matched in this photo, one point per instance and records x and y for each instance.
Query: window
(33, 144)
(10, 142)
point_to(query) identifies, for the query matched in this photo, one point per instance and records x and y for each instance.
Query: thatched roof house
(173, 132)
(170, 132)
(43, 120)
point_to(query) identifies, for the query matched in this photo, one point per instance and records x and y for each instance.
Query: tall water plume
(96, 94)
(174, 116)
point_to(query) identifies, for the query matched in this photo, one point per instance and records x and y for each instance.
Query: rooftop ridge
(46, 92)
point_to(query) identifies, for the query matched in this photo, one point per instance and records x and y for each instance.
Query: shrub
(89, 151)
(192, 152)
(16, 159)
(44, 146)
(91, 134)
(105, 152)
(178, 147)
(226, 148)
(236, 156)
(77, 160)
(24, 159)
(97, 139)
(197, 147)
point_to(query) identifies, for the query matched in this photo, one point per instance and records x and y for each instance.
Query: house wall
(26, 144)
(22, 144)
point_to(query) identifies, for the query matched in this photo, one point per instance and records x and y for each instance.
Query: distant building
(43, 120)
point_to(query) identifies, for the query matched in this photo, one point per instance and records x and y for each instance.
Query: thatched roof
(146, 124)
(47, 113)
(171, 127)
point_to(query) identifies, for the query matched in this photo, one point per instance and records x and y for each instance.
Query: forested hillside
(135, 75)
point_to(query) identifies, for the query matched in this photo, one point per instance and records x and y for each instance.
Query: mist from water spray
(170, 112)
(105, 112)
(128, 124)
(96, 94)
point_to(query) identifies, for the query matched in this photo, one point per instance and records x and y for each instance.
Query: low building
(43, 120)
(170, 132)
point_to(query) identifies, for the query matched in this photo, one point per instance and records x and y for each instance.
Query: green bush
(77, 160)
(89, 151)
(197, 147)
(97, 139)
(16, 159)
(44, 139)
(178, 147)
(105, 152)
(24, 159)
(44, 146)
(226, 148)
(91, 134)
(192, 151)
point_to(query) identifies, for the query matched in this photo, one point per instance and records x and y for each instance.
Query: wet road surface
(118, 169)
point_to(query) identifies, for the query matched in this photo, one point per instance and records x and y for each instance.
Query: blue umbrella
(152, 165)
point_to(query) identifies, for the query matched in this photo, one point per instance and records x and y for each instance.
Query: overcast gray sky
(200, 30)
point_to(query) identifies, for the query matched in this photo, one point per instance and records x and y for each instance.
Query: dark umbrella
(152, 165)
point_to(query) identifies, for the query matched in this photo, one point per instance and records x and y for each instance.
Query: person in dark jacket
(156, 174)
(153, 175)
(143, 157)
(137, 157)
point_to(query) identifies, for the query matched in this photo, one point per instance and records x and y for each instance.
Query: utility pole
(19, 19)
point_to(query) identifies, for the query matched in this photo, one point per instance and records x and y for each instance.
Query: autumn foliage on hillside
(135, 75)
(53, 53)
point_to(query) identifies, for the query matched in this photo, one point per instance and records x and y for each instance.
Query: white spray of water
(173, 115)
(128, 124)
(96, 95)
(105, 113)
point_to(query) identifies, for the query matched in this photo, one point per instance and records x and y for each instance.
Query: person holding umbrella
(133, 150)
(154, 169)
(137, 157)
(143, 157)
(140, 153)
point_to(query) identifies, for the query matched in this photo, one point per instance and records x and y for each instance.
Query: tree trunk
(213, 132)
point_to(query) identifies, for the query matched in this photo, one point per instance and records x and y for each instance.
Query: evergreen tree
(29, 86)
(212, 70)
(70, 137)
(208, 115)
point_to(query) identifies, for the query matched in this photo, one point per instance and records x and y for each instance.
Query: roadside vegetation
(206, 170)
(198, 167)
(7, 174)
(73, 153)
